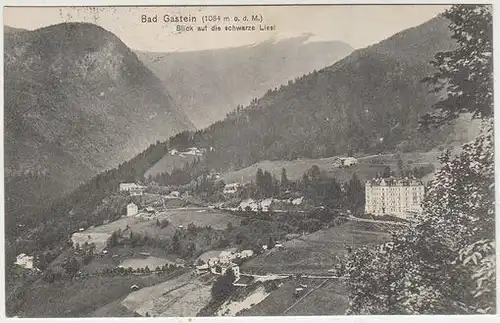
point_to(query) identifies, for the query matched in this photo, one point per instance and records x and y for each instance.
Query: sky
(357, 25)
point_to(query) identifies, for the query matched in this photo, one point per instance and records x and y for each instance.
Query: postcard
(254, 160)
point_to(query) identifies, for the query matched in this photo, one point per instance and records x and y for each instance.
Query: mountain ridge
(77, 101)
(212, 82)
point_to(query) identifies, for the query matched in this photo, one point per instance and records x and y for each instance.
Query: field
(150, 262)
(77, 298)
(316, 252)
(177, 217)
(367, 168)
(329, 299)
(200, 217)
(181, 296)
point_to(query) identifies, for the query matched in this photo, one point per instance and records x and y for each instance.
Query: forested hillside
(77, 101)
(369, 102)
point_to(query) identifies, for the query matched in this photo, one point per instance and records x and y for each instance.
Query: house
(394, 196)
(246, 253)
(221, 269)
(344, 162)
(349, 162)
(125, 187)
(231, 188)
(133, 188)
(132, 209)
(298, 200)
(25, 261)
(180, 262)
(174, 194)
(202, 269)
(298, 291)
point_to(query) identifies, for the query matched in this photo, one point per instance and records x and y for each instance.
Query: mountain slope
(211, 83)
(368, 102)
(77, 101)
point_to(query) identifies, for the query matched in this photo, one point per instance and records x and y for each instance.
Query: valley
(289, 177)
(183, 292)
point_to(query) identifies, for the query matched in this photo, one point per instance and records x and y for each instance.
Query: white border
(277, 319)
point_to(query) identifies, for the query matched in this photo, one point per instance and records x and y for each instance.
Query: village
(389, 202)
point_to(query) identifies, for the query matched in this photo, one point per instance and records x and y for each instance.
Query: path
(305, 295)
(353, 218)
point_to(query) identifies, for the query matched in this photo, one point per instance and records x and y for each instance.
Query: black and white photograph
(248, 160)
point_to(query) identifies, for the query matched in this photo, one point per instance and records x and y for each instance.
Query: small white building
(202, 269)
(349, 162)
(133, 188)
(246, 253)
(344, 162)
(223, 268)
(132, 209)
(25, 261)
(125, 187)
(174, 194)
(298, 200)
(231, 188)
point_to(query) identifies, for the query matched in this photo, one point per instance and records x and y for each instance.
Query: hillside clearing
(181, 296)
(77, 298)
(317, 252)
(367, 168)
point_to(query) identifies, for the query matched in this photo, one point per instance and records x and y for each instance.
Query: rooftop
(394, 182)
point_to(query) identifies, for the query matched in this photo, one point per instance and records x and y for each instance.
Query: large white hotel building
(392, 196)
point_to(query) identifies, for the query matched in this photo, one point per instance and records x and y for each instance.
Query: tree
(268, 184)
(387, 172)
(176, 244)
(465, 74)
(314, 174)
(355, 194)
(259, 180)
(400, 166)
(223, 286)
(71, 266)
(284, 179)
(443, 262)
(270, 243)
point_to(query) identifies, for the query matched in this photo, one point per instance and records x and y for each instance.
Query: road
(353, 218)
(305, 295)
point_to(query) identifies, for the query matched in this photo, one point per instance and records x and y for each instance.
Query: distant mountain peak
(299, 38)
(211, 83)
(8, 29)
